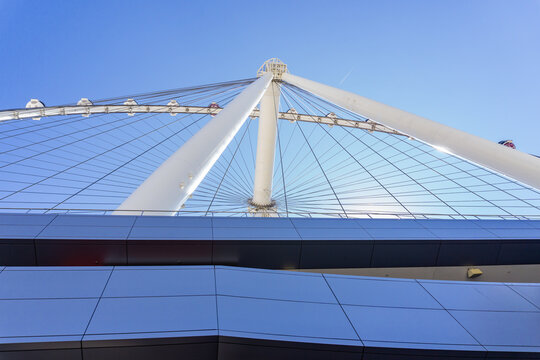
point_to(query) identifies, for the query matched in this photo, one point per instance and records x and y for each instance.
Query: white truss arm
(20, 114)
(509, 162)
(174, 181)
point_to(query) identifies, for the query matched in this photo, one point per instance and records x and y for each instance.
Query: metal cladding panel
(21, 231)
(274, 243)
(410, 326)
(477, 296)
(93, 220)
(319, 233)
(254, 222)
(449, 224)
(255, 233)
(459, 233)
(531, 292)
(325, 224)
(389, 223)
(91, 232)
(45, 317)
(285, 318)
(141, 281)
(26, 219)
(170, 233)
(209, 312)
(400, 234)
(124, 315)
(502, 328)
(381, 292)
(516, 233)
(278, 285)
(173, 221)
(44, 283)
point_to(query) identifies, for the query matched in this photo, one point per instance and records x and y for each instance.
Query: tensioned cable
(228, 167)
(359, 163)
(378, 154)
(282, 172)
(78, 164)
(411, 176)
(91, 127)
(125, 164)
(91, 158)
(402, 140)
(320, 166)
(213, 181)
(311, 187)
(65, 144)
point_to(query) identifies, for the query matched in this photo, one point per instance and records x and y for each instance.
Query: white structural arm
(174, 181)
(21, 114)
(104, 109)
(501, 159)
(266, 146)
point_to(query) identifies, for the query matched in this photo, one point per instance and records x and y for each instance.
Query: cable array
(75, 162)
(91, 164)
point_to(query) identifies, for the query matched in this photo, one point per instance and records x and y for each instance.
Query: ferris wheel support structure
(266, 148)
(171, 184)
(509, 162)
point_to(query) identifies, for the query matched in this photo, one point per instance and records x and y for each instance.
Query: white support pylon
(501, 159)
(171, 184)
(266, 147)
(261, 204)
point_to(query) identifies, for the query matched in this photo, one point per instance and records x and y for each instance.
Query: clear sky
(469, 64)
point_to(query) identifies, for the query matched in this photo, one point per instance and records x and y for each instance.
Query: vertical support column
(266, 147)
(174, 181)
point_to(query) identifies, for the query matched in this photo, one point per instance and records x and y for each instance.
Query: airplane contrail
(346, 76)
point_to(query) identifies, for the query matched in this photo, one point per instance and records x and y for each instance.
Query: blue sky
(473, 65)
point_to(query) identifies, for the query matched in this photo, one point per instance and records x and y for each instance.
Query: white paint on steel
(35, 104)
(174, 181)
(275, 66)
(173, 108)
(266, 146)
(501, 159)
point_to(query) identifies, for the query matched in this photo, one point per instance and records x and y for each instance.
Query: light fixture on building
(474, 272)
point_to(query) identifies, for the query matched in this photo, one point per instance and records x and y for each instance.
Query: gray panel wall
(206, 312)
(264, 243)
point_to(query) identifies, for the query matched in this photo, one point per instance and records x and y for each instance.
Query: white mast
(262, 203)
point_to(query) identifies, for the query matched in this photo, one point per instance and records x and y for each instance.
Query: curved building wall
(207, 312)
(272, 243)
